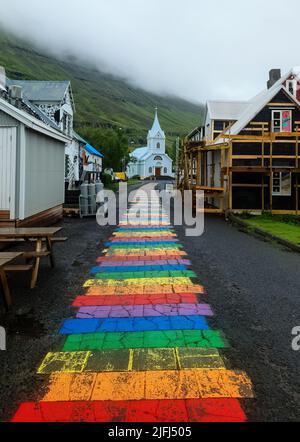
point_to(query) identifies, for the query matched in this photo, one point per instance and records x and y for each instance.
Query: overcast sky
(196, 49)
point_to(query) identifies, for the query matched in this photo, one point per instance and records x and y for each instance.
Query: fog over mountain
(193, 49)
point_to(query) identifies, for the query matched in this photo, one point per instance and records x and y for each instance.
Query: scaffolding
(210, 165)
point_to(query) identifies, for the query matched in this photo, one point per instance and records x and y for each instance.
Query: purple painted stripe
(158, 262)
(128, 311)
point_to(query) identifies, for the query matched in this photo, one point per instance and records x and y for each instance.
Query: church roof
(139, 153)
(156, 128)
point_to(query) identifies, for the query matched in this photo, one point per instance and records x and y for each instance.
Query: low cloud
(193, 49)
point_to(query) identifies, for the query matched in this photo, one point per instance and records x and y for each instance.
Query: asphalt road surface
(253, 287)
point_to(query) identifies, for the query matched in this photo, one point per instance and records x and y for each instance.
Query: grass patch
(133, 181)
(285, 227)
(112, 186)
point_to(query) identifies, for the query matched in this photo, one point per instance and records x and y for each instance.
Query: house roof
(255, 106)
(79, 138)
(226, 110)
(93, 151)
(31, 121)
(41, 115)
(42, 90)
(155, 128)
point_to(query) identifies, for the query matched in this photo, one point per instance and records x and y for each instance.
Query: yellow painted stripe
(137, 281)
(140, 359)
(146, 290)
(118, 386)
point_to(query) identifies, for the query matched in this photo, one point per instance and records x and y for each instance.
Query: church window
(158, 145)
(165, 170)
(150, 169)
(157, 158)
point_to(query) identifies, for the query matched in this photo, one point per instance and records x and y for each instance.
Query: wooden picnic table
(6, 258)
(37, 234)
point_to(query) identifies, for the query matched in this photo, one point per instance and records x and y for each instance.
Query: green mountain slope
(101, 100)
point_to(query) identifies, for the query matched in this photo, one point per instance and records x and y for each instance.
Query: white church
(151, 160)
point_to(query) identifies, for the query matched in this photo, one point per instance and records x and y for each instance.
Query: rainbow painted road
(140, 347)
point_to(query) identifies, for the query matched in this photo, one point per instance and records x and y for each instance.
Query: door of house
(157, 171)
(8, 170)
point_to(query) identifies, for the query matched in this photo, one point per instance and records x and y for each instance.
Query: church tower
(156, 140)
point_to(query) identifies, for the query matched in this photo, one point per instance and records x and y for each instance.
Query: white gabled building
(31, 166)
(152, 159)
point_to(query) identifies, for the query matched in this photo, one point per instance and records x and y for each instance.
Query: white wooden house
(31, 165)
(55, 103)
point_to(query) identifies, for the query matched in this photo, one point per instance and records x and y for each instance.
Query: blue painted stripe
(150, 323)
(148, 268)
(142, 242)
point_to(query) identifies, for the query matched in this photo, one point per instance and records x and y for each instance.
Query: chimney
(15, 92)
(274, 75)
(2, 78)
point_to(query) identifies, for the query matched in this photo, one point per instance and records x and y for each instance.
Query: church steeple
(156, 131)
(156, 140)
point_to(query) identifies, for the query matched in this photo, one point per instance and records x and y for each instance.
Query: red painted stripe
(82, 301)
(193, 410)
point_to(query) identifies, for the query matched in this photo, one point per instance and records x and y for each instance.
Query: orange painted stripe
(118, 386)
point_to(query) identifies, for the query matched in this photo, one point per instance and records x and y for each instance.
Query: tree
(113, 144)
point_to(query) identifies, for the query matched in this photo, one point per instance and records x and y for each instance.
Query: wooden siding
(42, 219)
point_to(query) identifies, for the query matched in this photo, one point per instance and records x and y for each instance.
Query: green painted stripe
(147, 274)
(140, 359)
(145, 339)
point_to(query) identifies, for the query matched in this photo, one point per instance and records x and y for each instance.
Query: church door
(157, 171)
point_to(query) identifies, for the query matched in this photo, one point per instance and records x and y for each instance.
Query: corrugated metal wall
(7, 168)
(44, 184)
(7, 120)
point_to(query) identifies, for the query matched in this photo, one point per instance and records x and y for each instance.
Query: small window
(165, 170)
(282, 184)
(292, 87)
(157, 158)
(282, 121)
(158, 146)
(150, 169)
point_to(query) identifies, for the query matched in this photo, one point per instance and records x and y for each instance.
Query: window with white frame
(281, 121)
(281, 184)
(292, 87)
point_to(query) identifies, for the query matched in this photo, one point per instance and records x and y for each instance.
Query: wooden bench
(58, 239)
(18, 268)
(11, 240)
(5, 261)
(53, 240)
(34, 254)
(44, 241)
